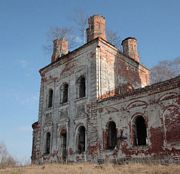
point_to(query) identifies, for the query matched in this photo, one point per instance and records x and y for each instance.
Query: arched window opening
(64, 91)
(140, 132)
(50, 99)
(82, 87)
(48, 142)
(112, 135)
(63, 144)
(81, 140)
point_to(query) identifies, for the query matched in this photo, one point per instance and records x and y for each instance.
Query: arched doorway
(64, 144)
(112, 135)
(48, 143)
(81, 139)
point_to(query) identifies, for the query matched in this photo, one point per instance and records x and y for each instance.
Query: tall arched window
(48, 142)
(64, 93)
(140, 132)
(81, 139)
(112, 135)
(81, 87)
(50, 98)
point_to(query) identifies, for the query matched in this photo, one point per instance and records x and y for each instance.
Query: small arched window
(139, 131)
(81, 87)
(48, 142)
(50, 98)
(112, 135)
(81, 139)
(64, 93)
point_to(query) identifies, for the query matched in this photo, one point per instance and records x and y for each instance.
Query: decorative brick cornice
(154, 88)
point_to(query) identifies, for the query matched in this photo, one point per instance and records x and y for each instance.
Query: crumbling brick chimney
(60, 48)
(97, 25)
(130, 48)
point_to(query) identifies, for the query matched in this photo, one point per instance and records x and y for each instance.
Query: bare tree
(59, 33)
(81, 22)
(80, 19)
(6, 160)
(165, 70)
(114, 38)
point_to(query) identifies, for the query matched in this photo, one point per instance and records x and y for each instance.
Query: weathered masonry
(96, 103)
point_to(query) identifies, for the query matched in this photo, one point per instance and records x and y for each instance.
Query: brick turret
(97, 25)
(60, 48)
(130, 48)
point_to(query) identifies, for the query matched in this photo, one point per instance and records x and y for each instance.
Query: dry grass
(94, 169)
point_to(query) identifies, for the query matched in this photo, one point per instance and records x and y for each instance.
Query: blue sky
(23, 32)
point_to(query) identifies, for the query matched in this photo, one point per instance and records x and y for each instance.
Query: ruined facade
(96, 104)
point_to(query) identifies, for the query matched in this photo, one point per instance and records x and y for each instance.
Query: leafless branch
(165, 70)
(80, 19)
(113, 38)
(60, 33)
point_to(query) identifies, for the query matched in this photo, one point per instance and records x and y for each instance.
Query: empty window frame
(139, 131)
(111, 135)
(64, 93)
(50, 98)
(81, 87)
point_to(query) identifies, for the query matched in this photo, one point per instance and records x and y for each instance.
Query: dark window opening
(48, 140)
(50, 99)
(140, 131)
(82, 87)
(65, 93)
(81, 139)
(112, 136)
(63, 144)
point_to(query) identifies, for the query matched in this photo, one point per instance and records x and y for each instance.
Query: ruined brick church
(96, 103)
